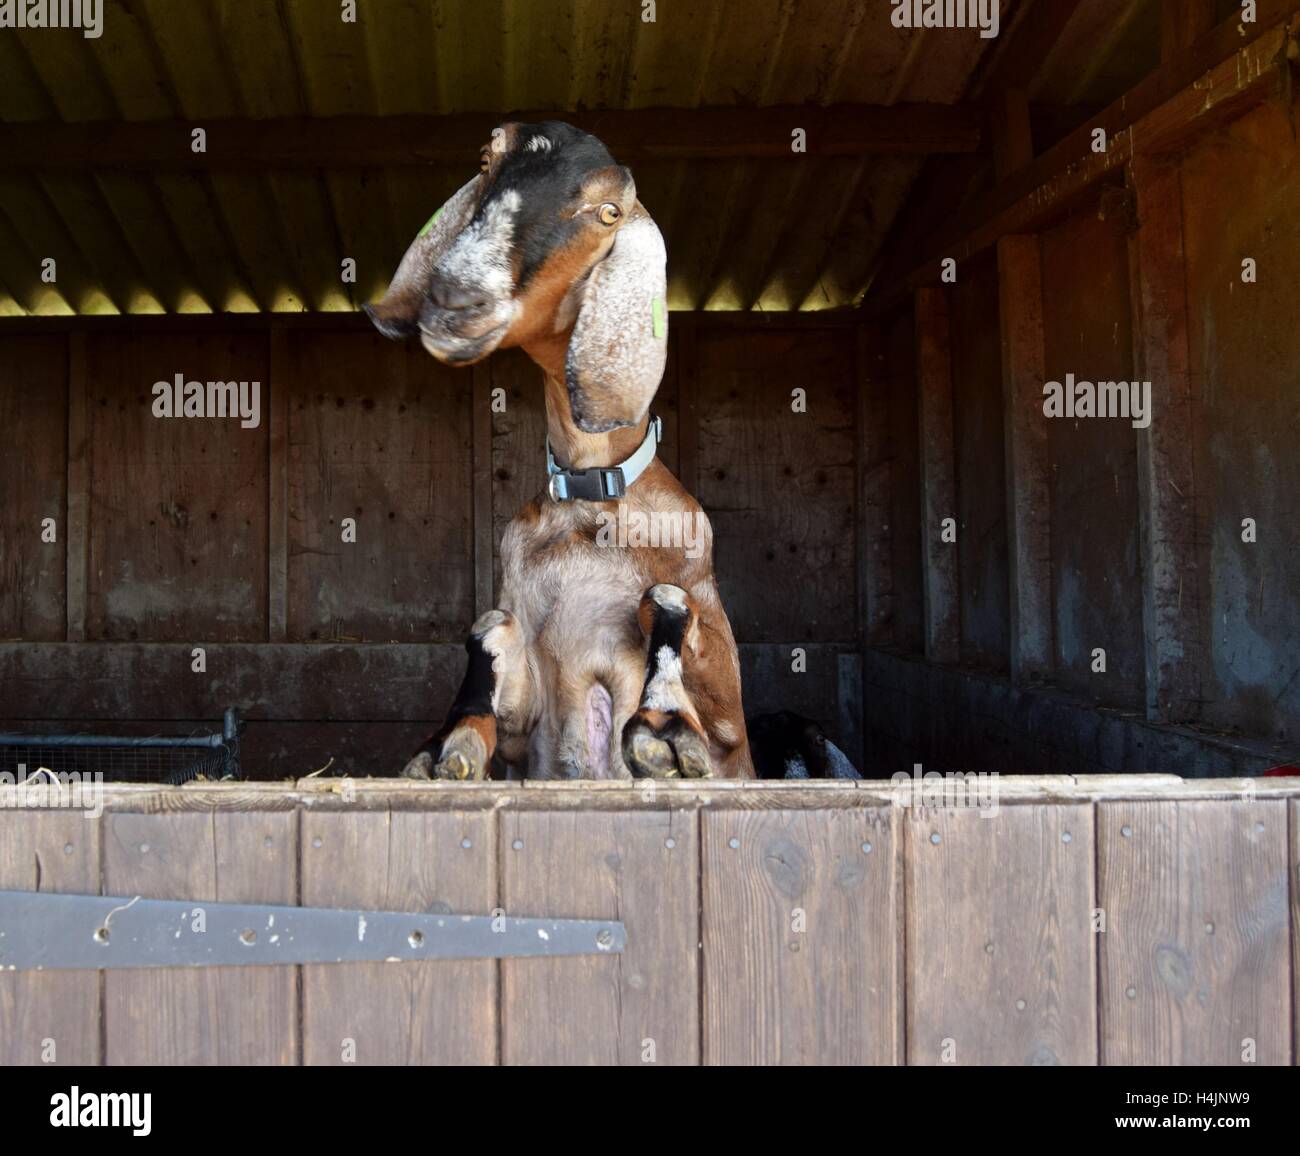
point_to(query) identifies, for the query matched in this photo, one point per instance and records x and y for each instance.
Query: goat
(785, 745)
(602, 660)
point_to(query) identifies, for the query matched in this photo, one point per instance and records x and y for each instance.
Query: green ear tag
(657, 315)
(429, 224)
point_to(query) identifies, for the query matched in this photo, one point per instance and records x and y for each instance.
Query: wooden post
(1166, 490)
(875, 472)
(76, 533)
(277, 522)
(1029, 545)
(938, 480)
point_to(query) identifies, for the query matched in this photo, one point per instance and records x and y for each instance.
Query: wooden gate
(1112, 920)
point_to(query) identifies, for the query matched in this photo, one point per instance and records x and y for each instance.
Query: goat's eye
(484, 161)
(609, 213)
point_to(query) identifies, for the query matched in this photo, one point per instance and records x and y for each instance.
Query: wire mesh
(154, 759)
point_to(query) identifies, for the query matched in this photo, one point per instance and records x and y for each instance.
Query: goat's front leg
(665, 738)
(493, 691)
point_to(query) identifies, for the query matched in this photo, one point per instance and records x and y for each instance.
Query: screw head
(733, 843)
(518, 844)
(605, 937)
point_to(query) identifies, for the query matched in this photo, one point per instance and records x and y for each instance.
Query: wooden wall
(765, 924)
(181, 533)
(1171, 552)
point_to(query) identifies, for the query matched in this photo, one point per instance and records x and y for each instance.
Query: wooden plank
(77, 529)
(279, 387)
(875, 499)
(778, 481)
(346, 321)
(641, 1007)
(1028, 470)
(1194, 959)
(208, 1015)
(377, 433)
(177, 508)
(321, 794)
(438, 1012)
(1182, 24)
(345, 142)
(1001, 964)
(1294, 818)
(49, 1018)
(34, 415)
(934, 391)
(276, 681)
(800, 935)
(1171, 616)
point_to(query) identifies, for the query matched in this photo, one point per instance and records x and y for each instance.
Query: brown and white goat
(603, 660)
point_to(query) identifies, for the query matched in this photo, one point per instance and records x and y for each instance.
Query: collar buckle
(602, 483)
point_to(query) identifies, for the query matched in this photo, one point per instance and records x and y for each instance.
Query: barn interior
(883, 243)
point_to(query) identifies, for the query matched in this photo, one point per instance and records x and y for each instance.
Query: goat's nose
(449, 294)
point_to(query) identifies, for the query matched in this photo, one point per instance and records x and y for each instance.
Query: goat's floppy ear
(619, 345)
(399, 312)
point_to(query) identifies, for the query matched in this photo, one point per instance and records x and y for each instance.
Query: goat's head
(549, 241)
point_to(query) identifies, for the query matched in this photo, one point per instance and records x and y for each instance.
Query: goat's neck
(572, 447)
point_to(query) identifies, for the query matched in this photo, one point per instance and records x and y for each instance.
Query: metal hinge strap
(44, 930)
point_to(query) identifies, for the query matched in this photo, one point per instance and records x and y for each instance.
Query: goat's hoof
(463, 758)
(672, 749)
(419, 767)
(455, 766)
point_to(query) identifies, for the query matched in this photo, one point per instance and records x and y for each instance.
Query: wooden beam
(1216, 82)
(1166, 483)
(938, 477)
(1020, 308)
(397, 141)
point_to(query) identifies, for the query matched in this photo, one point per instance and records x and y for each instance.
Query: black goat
(785, 745)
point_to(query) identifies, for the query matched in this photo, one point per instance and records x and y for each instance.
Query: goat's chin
(460, 350)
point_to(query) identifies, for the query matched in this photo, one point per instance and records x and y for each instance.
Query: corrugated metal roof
(774, 234)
